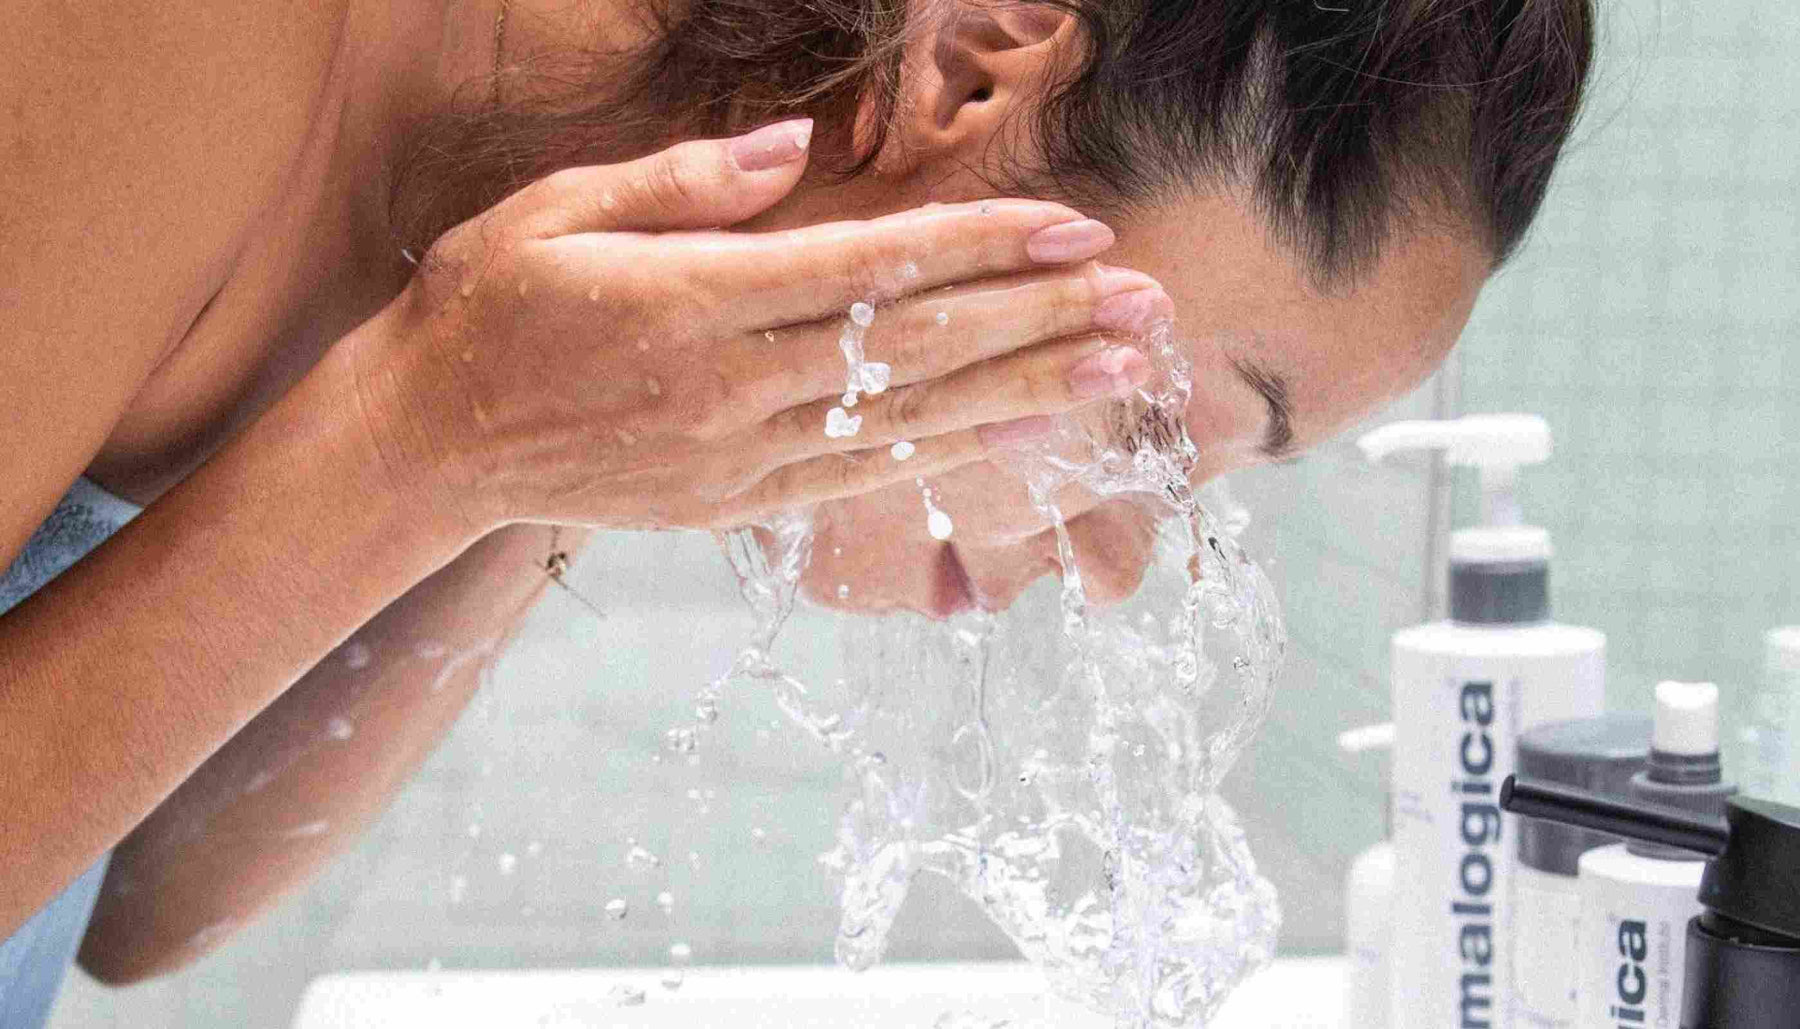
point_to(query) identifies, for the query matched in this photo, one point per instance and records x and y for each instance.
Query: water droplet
(757, 834)
(943, 317)
(875, 376)
(694, 858)
(468, 356)
(459, 888)
(666, 901)
(682, 741)
(524, 288)
(617, 909)
(843, 591)
(862, 314)
(626, 995)
(533, 849)
(638, 859)
(594, 294)
(357, 654)
(431, 650)
(987, 208)
(474, 830)
(625, 436)
(655, 387)
(340, 728)
(902, 450)
(468, 288)
(841, 425)
(769, 335)
(939, 525)
(848, 399)
(643, 345)
(909, 270)
(434, 965)
(507, 863)
(681, 952)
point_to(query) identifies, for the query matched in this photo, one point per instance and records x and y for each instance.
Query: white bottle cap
(1782, 647)
(1687, 718)
(1499, 544)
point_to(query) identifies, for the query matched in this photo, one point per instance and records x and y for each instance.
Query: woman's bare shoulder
(138, 141)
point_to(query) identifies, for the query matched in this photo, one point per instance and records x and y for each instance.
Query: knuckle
(670, 183)
(841, 473)
(1071, 305)
(867, 269)
(908, 409)
(791, 426)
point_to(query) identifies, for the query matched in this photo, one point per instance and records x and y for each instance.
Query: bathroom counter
(1294, 993)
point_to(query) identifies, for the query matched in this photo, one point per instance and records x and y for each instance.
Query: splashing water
(1059, 763)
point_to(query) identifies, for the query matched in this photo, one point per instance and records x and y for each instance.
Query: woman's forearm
(302, 781)
(121, 676)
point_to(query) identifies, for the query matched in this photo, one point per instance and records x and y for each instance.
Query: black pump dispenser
(1743, 951)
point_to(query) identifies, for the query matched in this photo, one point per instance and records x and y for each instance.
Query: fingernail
(1135, 311)
(1111, 372)
(1120, 280)
(1070, 241)
(1018, 430)
(772, 145)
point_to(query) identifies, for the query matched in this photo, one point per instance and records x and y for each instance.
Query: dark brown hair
(1341, 118)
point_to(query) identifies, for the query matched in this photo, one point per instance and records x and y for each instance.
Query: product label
(1457, 720)
(1635, 940)
(1473, 903)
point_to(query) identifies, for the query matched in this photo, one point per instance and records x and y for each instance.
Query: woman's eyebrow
(1278, 439)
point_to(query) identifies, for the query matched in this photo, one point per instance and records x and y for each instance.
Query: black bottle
(1743, 951)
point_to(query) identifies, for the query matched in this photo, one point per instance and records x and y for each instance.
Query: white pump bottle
(1464, 689)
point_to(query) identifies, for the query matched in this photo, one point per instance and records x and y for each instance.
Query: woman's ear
(974, 68)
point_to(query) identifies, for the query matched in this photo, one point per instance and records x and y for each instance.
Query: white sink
(1303, 993)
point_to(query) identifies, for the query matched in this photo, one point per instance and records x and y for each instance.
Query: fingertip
(772, 146)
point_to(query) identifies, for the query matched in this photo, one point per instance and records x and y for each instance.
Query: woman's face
(1257, 337)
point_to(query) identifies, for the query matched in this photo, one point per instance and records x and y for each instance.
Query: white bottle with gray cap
(1464, 690)
(1599, 755)
(1637, 898)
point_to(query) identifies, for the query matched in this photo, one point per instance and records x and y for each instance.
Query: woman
(357, 300)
